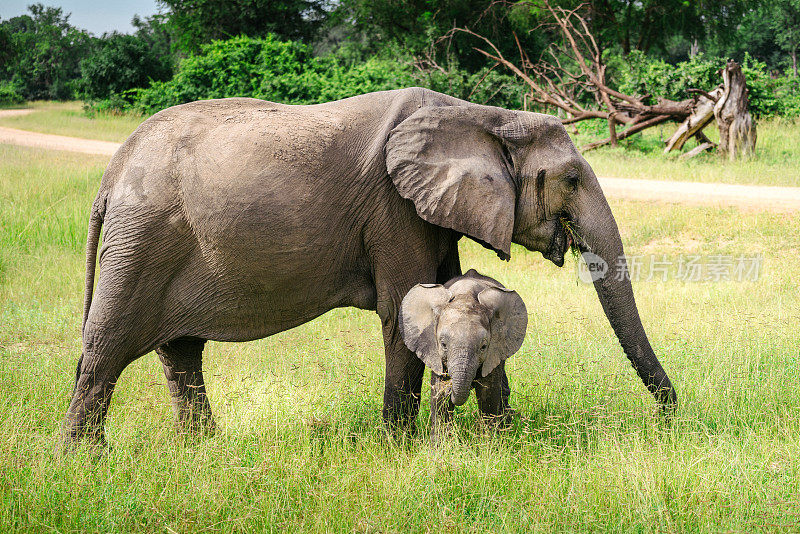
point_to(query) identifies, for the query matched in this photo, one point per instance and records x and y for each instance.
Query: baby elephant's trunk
(462, 367)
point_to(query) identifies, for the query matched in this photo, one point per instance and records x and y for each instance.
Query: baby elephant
(463, 330)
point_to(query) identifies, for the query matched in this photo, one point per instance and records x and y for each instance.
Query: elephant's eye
(572, 179)
(484, 346)
(444, 345)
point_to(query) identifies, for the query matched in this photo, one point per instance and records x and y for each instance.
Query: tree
(195, 22)
(156, 32)
(572, 78)
(120, 62)
(45, 53)
(786, 24)
(413, 25)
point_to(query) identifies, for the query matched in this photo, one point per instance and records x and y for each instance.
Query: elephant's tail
(92, 241)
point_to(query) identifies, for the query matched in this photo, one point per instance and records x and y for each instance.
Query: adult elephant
(235, 219)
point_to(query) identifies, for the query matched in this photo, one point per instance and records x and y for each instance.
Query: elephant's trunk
(599, 235)
(462, 366)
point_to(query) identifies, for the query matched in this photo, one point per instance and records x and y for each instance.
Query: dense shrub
(487, 86)
(286, 71)
(9, 95)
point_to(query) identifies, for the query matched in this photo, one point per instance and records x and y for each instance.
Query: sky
(97, 17)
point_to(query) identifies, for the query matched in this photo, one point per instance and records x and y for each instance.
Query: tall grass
(300, 445)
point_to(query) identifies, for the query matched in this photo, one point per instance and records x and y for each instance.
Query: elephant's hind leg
(99, 368)
(182, 360)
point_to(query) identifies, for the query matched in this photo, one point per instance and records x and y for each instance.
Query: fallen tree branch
(629, 132)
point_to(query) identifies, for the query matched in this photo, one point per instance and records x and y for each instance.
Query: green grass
(69, 118)
(300, 445)
(777, 160)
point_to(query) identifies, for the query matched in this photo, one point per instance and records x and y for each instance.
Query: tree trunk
(737, 131)
(612, 129)
(702, 114)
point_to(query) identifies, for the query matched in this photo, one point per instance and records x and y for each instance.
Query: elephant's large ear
(417, 319)
(452, 163)
(508, 322)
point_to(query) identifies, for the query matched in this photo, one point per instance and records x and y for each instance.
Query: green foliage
(785, 23)
(769, 95)
(9, 94)
(414, 25)
(118, 63)
(197, 22)
(286, 71)
(486, 86)
(640, 74)
(42, 52)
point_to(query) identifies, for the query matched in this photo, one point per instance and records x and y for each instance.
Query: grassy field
(777, 161)
(300, 446)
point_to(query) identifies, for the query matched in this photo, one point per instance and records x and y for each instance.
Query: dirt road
(755, 197)
(12, 136)
(765, 198)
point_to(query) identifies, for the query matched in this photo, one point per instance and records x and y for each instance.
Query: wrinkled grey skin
(464, 331)
(235, 219)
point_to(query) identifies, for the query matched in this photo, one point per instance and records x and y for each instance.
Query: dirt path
(15, 112)
(765, 198)
(754, 197)
(12, 136)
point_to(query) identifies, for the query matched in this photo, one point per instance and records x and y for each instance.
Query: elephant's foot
(193, 417)
(500, 421)
(400, 420)
(72, 438)
(83, 423)
(401, 407)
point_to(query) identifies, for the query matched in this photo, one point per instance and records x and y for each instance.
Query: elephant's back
(253, 179)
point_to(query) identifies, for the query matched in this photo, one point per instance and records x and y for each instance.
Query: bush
(9, 95)
(639, 74)
(242, 66)
(287, 72)
(486, 86)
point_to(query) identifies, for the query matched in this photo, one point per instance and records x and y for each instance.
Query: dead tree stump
(702, 114)
(737, 131)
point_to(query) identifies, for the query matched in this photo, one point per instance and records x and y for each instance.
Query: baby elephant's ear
(508, 322)
(417, 318)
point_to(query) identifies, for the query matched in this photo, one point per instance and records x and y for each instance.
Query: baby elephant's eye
(484, 345)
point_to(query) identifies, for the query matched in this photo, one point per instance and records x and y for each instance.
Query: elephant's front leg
(403, 386)
(492, 392)
(441, 407)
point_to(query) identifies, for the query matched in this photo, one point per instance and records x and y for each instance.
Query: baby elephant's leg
(492, 399)
(441, 406)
